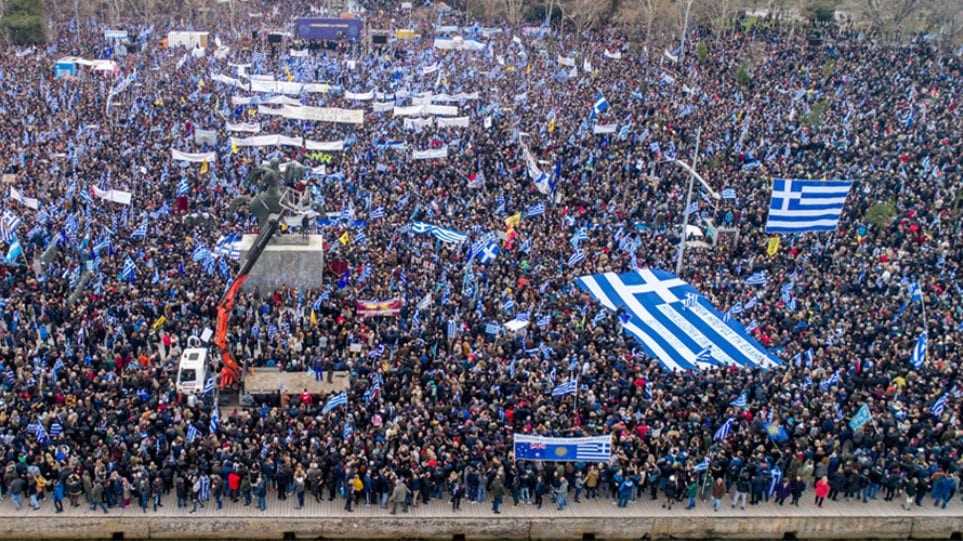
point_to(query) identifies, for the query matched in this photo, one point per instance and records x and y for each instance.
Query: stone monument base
(287, 261)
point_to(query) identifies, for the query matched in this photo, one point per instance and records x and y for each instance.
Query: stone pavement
(836, 520)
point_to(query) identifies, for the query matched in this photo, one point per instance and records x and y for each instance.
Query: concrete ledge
(489, 528)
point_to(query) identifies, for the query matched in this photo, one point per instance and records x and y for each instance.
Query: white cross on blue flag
(678, 336)
(803, 205)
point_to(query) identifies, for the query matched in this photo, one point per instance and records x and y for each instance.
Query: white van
(192, 369)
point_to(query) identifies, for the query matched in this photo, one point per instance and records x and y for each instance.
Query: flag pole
(685, 209)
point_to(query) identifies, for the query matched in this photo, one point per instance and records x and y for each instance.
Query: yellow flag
(251, 112)
(200, 84)
(314, 319)
(513, 220)
(234, 148)
(773, 247)
(288, 73)
(344, 238)
(528, 69)
(158, 323)
(204, 167)
(551, 125)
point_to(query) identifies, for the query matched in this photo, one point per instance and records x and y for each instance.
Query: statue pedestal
(287, 261)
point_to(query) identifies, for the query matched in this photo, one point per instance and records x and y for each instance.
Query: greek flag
(376, 213)
(183, 188)
(937, 408)
(492, 328)
(919, 352)
(723, 432)
(372, 391)
(377, 352)
(141, 231)
(576, 258)
(8, 226)
(535, 210)
(601, 105)
(580, 235)
(227, 246)
(192, 433)
(742, 401)
(826, 384)
(56, 429)
(539, 448)
(489, 252)
(129, 270)
(340, 399)
(215, 418)
(360, 238)
(40, 432)
(209, 385)
(544, 320)
(702, 466)
(656, 317)
(508, 305)
(568, 387)
(599, 316)
(803, 205)
(440, 233)
(758, 279)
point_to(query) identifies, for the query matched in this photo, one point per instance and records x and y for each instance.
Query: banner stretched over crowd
(426, 110)
(674, 323)
(430, 154)
(193, 157)
(28, 202)
(116, 196)
(544, 449)
(322, 114)
(391, 307)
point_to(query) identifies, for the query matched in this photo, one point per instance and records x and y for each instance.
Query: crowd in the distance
(89, 415)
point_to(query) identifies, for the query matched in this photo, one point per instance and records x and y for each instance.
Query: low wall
(362, 527)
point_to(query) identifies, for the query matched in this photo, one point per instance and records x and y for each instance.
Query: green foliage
(743, 76)
(822, 11)
(702, 52)
(881, 214)
(815, 115)
(23, 21)
(748, 23)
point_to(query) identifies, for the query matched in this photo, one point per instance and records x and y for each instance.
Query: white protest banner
(488, 122)
(362, 96)
(430, 154)
(298, 54)
(414, 110)
(230, 81)
(586, 66)
(271, 111)
(600, 129)
(441, 110)
(617, 55)
(458, 44)
(566, 61)
(267, 141)
(117, 196)
(457, 122)
(324, 114)
(419, 123)
(193, 157)
(247, 127)
(208, 137)
(428, 70)
(461, 96)
(28, 202)
(324, 146)
(382, 106)
(221, 52)
(273, 100)
(421, 100)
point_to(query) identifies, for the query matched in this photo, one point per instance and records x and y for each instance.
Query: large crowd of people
(99, 298)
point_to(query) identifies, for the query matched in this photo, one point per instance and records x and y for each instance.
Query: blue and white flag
(937, 408)
(539, 448)
(209, 385)
(376, 213)
(440, 233)
(183, 187)
(569, 387)
(656, 317)
(340, 399)
(489, 252)
(141, 231)
(535, 210)
(758, 279)
(600, 106)
(192, 433)
(724, 430)
(215, 418)
(702, 466)
(803, 205)
(918, 356)
(492, 328)
(9, 223)
(129, 270)
(742, 401)
(576, 258)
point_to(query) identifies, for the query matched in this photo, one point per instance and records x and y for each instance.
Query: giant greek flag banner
(804, 205)
(539, 448)
(674, 323)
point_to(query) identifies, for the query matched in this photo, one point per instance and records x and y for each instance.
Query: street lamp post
(685, 29)
(688, 198)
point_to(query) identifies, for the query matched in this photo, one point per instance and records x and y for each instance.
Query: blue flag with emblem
(539, 448)
(666, 329)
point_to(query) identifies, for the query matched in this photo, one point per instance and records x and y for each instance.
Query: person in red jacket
(234, 485)
(822, 490)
